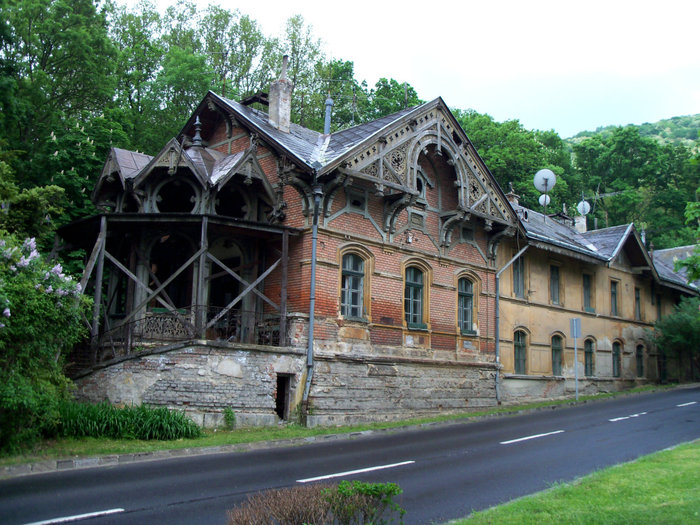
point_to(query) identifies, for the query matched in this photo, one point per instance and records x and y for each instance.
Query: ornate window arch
(639, 359)
(468, 287)
(557, 353)
(356, 266)
(417, 278)
(520, 337)
(178, 194)
(617, 358)
(589, 356)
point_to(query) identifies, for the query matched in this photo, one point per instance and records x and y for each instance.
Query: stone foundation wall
(205, 378)
(523, 389)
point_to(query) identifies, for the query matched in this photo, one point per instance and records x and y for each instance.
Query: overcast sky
(567, 66)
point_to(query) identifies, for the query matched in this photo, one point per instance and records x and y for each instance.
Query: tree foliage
(677, 335)
(40, 321)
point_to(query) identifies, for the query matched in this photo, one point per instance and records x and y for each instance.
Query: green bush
(138, 422)
(348, 503)
(229, 418)
(41, 311)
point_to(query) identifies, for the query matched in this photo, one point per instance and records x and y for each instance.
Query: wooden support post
(201, 306)
(95, 329)
(283, 289)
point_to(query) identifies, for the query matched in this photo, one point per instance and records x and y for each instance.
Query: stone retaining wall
(205, 378)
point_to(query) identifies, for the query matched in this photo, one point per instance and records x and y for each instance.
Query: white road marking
(351, 472)
(531, 437)
(687, 404)
(78, 517)
(613, 420)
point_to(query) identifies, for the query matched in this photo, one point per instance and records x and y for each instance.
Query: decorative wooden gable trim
(391, 163)
(172, 157)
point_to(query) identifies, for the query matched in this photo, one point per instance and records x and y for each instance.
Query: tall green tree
(61, 59)
(389, 96)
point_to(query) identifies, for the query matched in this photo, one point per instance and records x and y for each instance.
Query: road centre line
(77, 517)
(535, 436)
(351, 472)
(613, 420)
(687, 404)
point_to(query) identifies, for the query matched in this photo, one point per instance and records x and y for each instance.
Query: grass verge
(661, 488)
(90, 447)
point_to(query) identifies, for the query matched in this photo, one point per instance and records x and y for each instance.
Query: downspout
(498, 317)
(312, 301)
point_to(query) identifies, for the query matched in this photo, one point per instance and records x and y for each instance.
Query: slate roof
(129, 163)
(666, 259)
(312, 148)
(604, 244)
(545, 229)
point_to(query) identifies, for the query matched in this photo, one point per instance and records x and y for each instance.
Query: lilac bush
(42, 318)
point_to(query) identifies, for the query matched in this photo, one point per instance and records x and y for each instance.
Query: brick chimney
(281, 100)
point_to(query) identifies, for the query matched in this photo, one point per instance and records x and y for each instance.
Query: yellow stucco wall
(541, 320)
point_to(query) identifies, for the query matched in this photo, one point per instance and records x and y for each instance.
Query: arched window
(465, 305)
(414, 297)
(639, 355)
(556, 355)
(616, 359)
(520, 352)
(352, 286)
(588, 356)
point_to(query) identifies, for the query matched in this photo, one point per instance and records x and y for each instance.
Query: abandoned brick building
(215, 254)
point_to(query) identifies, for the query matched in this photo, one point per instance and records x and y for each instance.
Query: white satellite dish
(545, 180)
(583, 207)
(544, 200)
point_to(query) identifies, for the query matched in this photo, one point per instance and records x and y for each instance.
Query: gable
(391, 161)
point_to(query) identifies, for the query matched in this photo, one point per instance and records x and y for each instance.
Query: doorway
(282, 397)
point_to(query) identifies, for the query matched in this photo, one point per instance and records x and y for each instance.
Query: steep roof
(601, 246)
(667, 258)
(312, 149)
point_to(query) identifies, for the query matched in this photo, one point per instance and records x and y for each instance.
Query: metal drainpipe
(498, 317)
(312, 301)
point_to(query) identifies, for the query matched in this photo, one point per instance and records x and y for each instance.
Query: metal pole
(576, 366)
(498, 317)
(312, 300)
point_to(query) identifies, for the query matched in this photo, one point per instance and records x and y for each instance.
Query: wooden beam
(95, 252)
(243, 281)
(243, 294)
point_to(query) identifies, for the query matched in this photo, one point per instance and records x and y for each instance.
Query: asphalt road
(445, 471)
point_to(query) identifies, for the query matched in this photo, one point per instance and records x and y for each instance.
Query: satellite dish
(545, 200)
(583, 207)
(545, 180)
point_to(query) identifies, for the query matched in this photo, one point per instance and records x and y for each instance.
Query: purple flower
(6, 312)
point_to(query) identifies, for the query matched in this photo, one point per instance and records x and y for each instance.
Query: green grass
(89, 447)
(663, 488)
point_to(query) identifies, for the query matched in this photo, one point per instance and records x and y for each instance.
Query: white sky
(551, 64)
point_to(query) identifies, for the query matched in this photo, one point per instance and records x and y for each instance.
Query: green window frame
(614, 310)
(556, 355)
(413, 298)
(554, 295)
(637, 304)
(520, 352)
(616, 359)
(587, 293)
(465, 305)
(352, 286)
(639, 355)
(658, 306)
(588, 357)
(519, 277)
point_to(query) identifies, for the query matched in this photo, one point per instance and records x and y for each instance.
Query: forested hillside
(78, 78)
(676, 130)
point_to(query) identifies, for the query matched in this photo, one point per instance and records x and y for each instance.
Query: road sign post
(575, 333)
